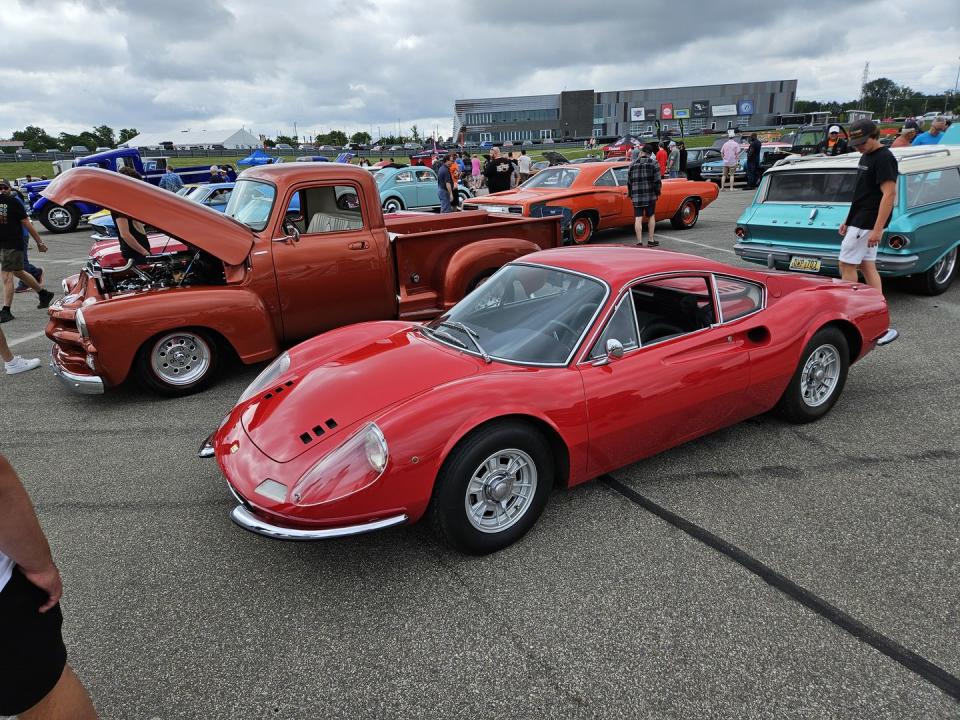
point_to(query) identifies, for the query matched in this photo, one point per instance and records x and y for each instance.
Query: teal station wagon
(796, 213)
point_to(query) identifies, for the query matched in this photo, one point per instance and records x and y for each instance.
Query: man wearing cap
(907, 135)
(873, 198)
(934, 135)
(644, 186)
(673, 160)
(13, 221)
(730, 152)
(834, 144)
(753, 161)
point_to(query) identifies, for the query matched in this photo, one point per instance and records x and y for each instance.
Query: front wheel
(392, 205)
(581, 229)
(937, 279)
(59, 218)
(492, 487)
(686, 217)
(178, 363)
(819, 379)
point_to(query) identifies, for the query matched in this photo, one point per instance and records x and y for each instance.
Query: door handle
(359, 245)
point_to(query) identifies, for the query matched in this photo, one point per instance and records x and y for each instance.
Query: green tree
(105, 136)
(877, 92)
(288, 139)
(35, 138)
(128, 134)
(362, 138)
(415, 134)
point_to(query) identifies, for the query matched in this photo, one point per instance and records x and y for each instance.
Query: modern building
(585, 113)
(235, 139)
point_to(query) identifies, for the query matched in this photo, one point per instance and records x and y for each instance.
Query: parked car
(262, 275)
(103, 149)
(800, 204)
(593, 196)
(412, 146)
(23, 151)
(563, 366)
(313, 158)
(770, 153)
(696, 157)
(305, 146)
(79, 149)
(283, 146)
(409, 188)
(486, 145)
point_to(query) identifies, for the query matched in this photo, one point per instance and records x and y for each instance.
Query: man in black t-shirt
(13, 220)
(498, 171)
(873, 198)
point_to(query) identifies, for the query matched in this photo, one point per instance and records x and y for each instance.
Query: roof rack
(926, 153)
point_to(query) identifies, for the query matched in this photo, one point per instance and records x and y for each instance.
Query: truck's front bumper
(85, 383)
(778, 256)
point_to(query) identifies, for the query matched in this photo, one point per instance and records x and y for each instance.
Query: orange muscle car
(593, 196)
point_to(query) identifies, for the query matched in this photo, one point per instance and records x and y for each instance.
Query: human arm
(123, 230)
(21, 538)
(889, 190)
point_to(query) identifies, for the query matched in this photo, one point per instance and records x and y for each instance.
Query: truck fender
(471, 263)
(119, 329)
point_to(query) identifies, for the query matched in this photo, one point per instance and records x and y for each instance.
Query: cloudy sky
(369, 64)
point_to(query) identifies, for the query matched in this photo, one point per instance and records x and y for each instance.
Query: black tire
(686, 216)
(582, 229)
(163, 381)
(448, 511)
(939, 278)
(59, 219)
(794, 406)
(392, 204)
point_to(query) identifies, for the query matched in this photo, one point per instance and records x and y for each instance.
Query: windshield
(808, 186)
(525, 313)
(250, 203)
(555, 177)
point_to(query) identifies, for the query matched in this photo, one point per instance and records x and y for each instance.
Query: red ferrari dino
(563, 366)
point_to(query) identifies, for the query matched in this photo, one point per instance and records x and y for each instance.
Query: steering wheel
(570, 331)
(658, 329)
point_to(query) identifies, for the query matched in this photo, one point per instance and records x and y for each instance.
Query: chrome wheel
(500, 490)
(819, 377)
(943, 268)
(392, 205)
(60, 218)
(180, 358)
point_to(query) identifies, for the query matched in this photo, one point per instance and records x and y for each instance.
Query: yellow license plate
(804, 264)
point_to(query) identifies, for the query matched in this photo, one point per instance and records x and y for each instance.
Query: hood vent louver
(318, 431)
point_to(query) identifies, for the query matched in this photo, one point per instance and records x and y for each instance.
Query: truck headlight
(267, 377)
(356, 464)
(81, 325)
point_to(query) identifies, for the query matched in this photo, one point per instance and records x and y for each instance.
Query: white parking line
(71, 261)
(25, 338)
(693, 242)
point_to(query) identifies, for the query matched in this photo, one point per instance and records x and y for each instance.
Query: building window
(486, 137)
(546, 134)
(597, 132)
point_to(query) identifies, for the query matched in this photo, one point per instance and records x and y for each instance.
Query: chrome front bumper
(83, 384)
(779, 255)
(888, 337)
(248, 521)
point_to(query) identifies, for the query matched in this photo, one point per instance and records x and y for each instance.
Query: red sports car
(563, 366)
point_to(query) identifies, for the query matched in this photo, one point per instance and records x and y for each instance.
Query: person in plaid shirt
(643, 180)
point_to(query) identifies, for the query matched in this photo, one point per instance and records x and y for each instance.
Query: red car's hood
(347, 386)
(175, 215)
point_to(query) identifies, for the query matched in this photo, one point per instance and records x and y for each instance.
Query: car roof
(618, 265)
(302, 172)
(590, 170)
(910, 159)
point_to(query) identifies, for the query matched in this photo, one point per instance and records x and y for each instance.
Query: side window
(738, 298)
(426, 176)
(605, 180)
(403, 177)
(330, 209)
(219, 197)
(933, 187)
(622, 327)
(672, 306)
(621, 174)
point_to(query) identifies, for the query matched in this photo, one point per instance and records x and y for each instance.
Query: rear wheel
(819, 379)
(59, 218)
(686, 217)
(178, 363)
(581, 229)
(937, 279)
(392, 205)
(492, 487)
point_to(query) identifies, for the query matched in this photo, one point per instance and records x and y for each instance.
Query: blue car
(793, 223)
(213, 196)
(770, 153)
(405, 188)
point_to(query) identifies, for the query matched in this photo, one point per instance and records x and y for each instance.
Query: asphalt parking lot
(603, 610)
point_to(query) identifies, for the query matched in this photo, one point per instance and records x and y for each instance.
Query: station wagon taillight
(898, 242)
(740, 232)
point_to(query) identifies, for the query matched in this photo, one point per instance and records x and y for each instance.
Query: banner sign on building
(637, 115)
(745, 106)
(666, 111)
(700, 108)
(724, 110)
(681, 113)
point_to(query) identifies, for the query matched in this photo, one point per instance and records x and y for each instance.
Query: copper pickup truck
(301, 248)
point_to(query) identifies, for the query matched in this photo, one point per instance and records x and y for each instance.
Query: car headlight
(356, 464)
(81, 325)
(267, 377)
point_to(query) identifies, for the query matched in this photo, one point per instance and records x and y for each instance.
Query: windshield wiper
(470, 333)
(430, 331)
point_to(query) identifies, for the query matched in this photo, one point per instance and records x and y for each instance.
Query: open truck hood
(225, 239)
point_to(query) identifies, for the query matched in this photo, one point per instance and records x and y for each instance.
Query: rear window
(933, 187)
(810, 187)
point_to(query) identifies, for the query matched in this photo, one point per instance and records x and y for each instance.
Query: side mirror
(290, 228)
(614, 349)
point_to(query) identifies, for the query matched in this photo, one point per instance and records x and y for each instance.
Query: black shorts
(32, 653)
(645, 210)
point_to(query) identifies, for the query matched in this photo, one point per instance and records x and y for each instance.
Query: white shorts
(854, 249)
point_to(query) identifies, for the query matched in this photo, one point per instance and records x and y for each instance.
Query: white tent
(237, 139)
